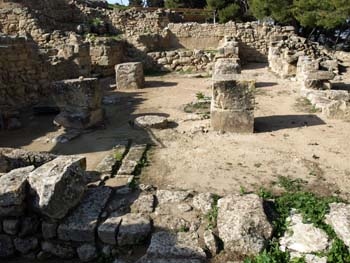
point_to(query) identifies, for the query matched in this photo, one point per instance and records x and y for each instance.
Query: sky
(124, 2)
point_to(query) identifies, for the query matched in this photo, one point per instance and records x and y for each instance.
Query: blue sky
(124, 2)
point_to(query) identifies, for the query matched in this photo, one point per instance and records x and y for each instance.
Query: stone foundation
(129, 76)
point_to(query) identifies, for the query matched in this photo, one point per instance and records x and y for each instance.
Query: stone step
(131, 160)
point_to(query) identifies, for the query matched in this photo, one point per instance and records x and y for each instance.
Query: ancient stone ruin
(134, 136)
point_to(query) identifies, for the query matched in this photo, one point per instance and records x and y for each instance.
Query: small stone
(29, 226)
(49, 230)
(151, 121)
(203, 202)
(183, 207)
(211, 242)
(107, 231)
(58, 250)
(144, 204)
(87, 252)
(166, 196)
(11, 226)
(6, 246)
(25, 245)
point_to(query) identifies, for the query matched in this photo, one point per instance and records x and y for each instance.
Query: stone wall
(253, 38)
(23, 78)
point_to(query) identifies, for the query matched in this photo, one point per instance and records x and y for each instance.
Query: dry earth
(290, 140)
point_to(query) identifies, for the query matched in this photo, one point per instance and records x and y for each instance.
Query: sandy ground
(289, 141)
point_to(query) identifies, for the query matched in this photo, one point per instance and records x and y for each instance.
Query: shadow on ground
(281, 122)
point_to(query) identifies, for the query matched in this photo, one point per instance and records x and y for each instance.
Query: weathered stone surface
(167, 196)
(232, 106)
(227, 66)
(87, 252)
(12, 187)
(11, 226)
(129, 76)
(107, 231)
(320, 75)
(11, 158)
(211, 242)
(339, 219)
(49, 230)
(79, 101)
(143, 204)
(58, 185)
(171, 246)
(303, 238)
(6, 246)
(151, 121)
(203, 202)
(81, 224)
(29, 226)
(25, 245)
(58, 250)
(134, 229)
(131, 160)
(242, 224)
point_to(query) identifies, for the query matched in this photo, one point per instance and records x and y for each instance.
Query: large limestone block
(81, 224)
(80, 103)
(129, 76)
(339, 219)
(232, 106)
(242, 224)
(58, 186)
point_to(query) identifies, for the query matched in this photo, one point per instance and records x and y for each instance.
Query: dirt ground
(290, 139)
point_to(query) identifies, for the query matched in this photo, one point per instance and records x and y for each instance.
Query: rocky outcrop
(58, 186)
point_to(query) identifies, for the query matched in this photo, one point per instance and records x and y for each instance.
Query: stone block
(58, 186)
(133, 230)
(6, 246)
(81, 224)
(131, 160)
(107, 231)
(130, 76)
(232, 106)
(227, 66)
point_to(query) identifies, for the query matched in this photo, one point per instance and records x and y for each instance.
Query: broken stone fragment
(58, 186)
(167, 196)
(243, 225)
(12, 186)
(81, 224)
(107, 231)
(144, 204)
(303, 238)
(203, 202)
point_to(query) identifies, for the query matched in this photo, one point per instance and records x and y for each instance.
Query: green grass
(212, 215)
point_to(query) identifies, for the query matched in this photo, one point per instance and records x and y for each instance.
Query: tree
(185, 3)
(155, 3)
(229, 9)
(135, 3)
(279, 10)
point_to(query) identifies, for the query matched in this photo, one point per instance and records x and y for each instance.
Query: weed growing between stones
(313, 210)
(212, 215)
(138, 169)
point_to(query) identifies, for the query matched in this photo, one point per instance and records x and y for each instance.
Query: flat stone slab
(165, 245)
(339, 219)
(303, 238)
(82, 223)
(167, 196)
(12, 186)
(131, 160)
(58, 185)
(134, 229)
(151, 121)
(144, 204)
(107, 231)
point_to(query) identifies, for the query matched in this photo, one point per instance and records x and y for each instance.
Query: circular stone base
(151, 121)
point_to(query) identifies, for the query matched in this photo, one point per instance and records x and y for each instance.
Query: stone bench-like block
(227, 66)
(232, 106)
(129, 76)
